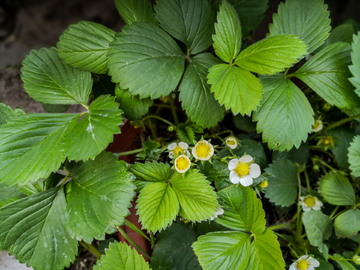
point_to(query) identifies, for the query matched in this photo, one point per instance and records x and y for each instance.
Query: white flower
(231, 142)
(178, 149)
(219, 211)
(241, 171)
(310, 202)
(318, 125)
(203, 150)
(304, 263)
(182, 163)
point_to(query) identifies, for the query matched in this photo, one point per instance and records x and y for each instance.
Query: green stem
(307, 182)
(159, 118)
(280, 226)
(132, 242)
(334, 211)
(343, 121)
(136, 229)
(173, 110)
(93, 250)
(298, 218)
(66, 177)
(130, 152)
(318, 148)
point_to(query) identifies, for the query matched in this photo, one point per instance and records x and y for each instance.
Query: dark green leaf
(355, 67)
(55, 108)
(190, 21)
(218, 172)
(146, 60)
(285, 115)
(343, 136)
(243, 210)
(173, 250)
(327, 74)
(199, 103)
(336, 189)
(6, 113)
(48, 79)
(227, 38)
(354, 156)
(85, 44)
(31, 146)
(98, 197)
(308, 19)
(244, 122)
(95, 131)
(133, 11)
(133, 107)
(251, 13)
(318, 228)
(282, 179)
(223, 250)
(259, 57)
(347, 224)
(236, 88)
(297, 155)
(344, 264)
(35, 229)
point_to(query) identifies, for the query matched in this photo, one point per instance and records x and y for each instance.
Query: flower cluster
(243, 170)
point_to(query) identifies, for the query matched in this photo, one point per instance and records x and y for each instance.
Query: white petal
(183, 145)
(316, 207)
(313, 262)
(292, 267)
(306, 208)
(255, 170)
(193, 153)
(232, 164)
(220, 211)
(310, 268)
(172, 146)
(302, 198)
(318, 202)
(246, 180)
(187, 153)
(234, 178)
(246, 159)
(171, 155)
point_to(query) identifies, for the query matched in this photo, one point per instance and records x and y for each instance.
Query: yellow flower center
(309, 201)
(302, 264)
(202, 150)
(326, 140)
(264, 184)
(242, 169)
(316, 125)
(182, 163)
(231, 142)
(178, 151)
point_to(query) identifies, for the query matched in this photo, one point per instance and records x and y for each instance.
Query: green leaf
(146, 60)
(285, 115)
(48, 79)
(98, 197)
(259, 57)
(299, 155)
(251, 13)
(151, 151)
(282, 179)
(227, 38)
(31, 146)
(55, 108)
(190, 21)
(236, 88)
(120, 256)
(185, 133)
(95, 131)
(133, 11)
(343, 136)
(355, 67)
(7, 193)
(244, 122)
(344, 264)
(196, 196)
(172, 249)
(243, 210)
(8, 201)
(318, 228)
(327, 74)
(157, 206)
(266, 253)
(347, 224)
(133, 107)
(354, 156)
(35, 229)
(308, 19)
(6, 113)
(151, 171)
(223, 250)
(342, 33)
(199, 103)
(217, 171)
(336, 189)
(84, 45)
